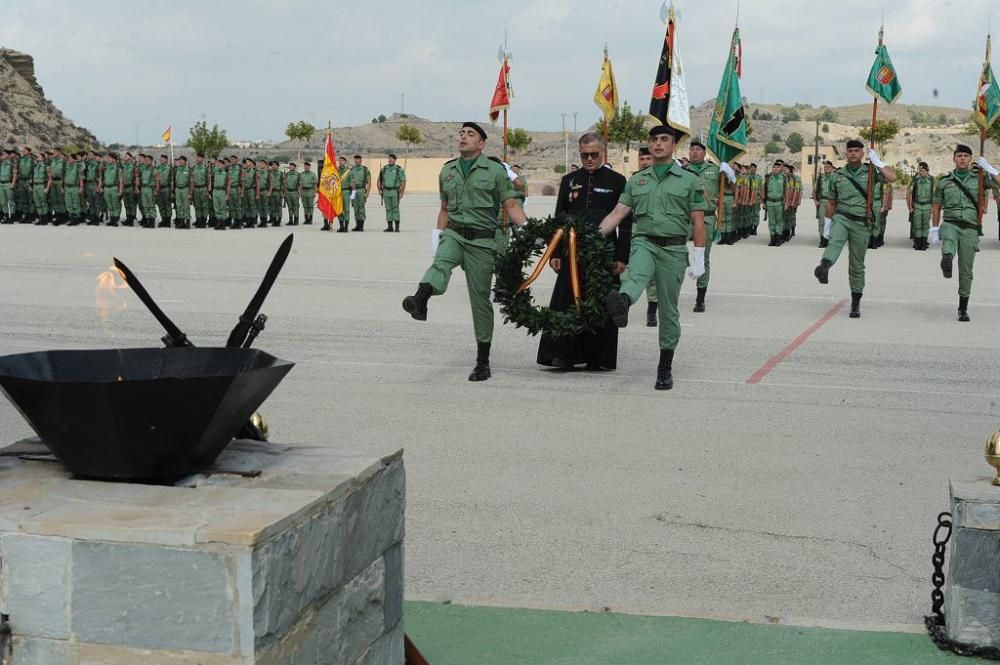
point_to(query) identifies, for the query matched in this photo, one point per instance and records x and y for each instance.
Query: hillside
(26, 116)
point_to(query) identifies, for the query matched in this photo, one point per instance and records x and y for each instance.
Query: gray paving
(808, 497)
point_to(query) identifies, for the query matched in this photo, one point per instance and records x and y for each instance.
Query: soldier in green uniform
(757, 185)
(775, 194)
(201, 196)
(291, 191)
(878, 196)
(277, 182)
(709, 175)
(57, 200)
(847, 220)
(727, 228)
(956, 219)
(182, 193)
(669, 206)
(147, 186)
(360, 181)
(8, 174)
(164, 191)
(645, 161)
(220, 195)
(111, 185)
(22, 187)
(473, 189)
(94, 202)
(264, 198)
(391, 187)
(919, 199)
(73, 187)
(130, 193)
(793, 198)
(820, 197)
(41, 183)
(248, 194)
(308, 180)
(345, 190)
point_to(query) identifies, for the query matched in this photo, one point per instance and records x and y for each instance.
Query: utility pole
(574, 122)
(402, 103)
(565, 145)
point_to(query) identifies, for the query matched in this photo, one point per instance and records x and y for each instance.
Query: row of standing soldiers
(92, 188)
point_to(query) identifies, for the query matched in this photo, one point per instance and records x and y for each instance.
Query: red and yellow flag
(501, 94)
(330, 201)
(166, 135)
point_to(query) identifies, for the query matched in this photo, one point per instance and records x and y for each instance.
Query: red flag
(501, 94)
(330, 201)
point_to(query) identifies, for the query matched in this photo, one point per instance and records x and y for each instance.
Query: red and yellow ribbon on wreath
(574, 269)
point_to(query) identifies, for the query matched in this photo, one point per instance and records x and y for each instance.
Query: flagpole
(606, 122)
(871, 145)
(981, 203)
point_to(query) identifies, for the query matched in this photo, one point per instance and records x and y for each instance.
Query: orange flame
(109, 299)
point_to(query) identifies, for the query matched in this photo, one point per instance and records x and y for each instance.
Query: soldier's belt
(5, 182)
(921, 203)
(202, 186)
(182, 186)
(776, 200)
(387, 188)
(661, 241)
(853, 218)
(961, 223)
(471, 234)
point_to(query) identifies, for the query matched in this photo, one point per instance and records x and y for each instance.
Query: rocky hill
(26, 116)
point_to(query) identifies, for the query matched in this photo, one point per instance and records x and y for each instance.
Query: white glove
(510, 172)
(874, 159)
(353, 192)
(827, 223)
(728, 170)
(435, 240)
(986, 166)
(697, 268)
(935, 236)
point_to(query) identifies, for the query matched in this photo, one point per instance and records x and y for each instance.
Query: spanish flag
(501, 93)
(330, 201)
(606, 95)
(166, 135)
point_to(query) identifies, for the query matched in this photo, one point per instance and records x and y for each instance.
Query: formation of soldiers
(50, 187)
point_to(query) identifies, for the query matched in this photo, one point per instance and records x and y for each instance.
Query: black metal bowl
(139, 414)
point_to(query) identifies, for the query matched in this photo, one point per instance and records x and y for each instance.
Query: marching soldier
(919, 199)
(130, 193)
(164, 191)
(8, 177)
(392, 186)
(200, 175)
(360, 180)
(848, 221)
(73, 187)
(345, 216)
(291, 191)
(220, 195)
(473, 188)
(111, 186)
(645, 161)
(775, 195)
(709, 175)
(41, 183)
(668, 203)
(233, 200)
(182, 193)
(820, 197)
(956, 220)
(308, 180)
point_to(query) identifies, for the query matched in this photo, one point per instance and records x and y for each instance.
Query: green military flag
(988, 95)
(727, 135)
(882, 79)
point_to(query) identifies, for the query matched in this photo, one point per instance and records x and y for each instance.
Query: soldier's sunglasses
(590, 155)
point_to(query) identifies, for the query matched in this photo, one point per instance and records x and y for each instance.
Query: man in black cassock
(590, 192)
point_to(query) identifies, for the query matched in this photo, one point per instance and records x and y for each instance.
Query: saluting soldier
(848, 221)
(182, 193)
(820, 197)
(73, 187)
(200, 175)
(709, 175)
(473, 189)
(308, 180)
(345, 189)
(668, 203)
(391, 186)
(360, 180)
(956, 219)
(291, 191)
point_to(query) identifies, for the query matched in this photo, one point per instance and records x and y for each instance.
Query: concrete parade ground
(801, 502)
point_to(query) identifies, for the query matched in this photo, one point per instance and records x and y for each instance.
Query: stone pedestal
(972, 598)
(278, 554)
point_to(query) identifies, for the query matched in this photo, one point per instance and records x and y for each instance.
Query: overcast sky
(127, 67)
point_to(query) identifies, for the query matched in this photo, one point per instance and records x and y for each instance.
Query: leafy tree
(408, 135)
(788, 115)
(777, 138)
(795, 142)
(942, 119)
(903, 177)
(205, 141)
(559, 168)
(381, 117)
(772, 148)
(300, 131)
(374, 121)
(885, 131)
(627, 127)
(825, 129)
(518, 139)
(828, 115)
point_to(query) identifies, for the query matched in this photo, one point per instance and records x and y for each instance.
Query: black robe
(592, 196)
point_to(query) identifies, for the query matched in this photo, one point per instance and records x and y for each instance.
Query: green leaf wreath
(595, 254)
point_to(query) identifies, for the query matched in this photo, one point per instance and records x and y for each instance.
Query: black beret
(923, 165)
(779, 162)
(479, 130)
(643, 151)
(306, 161)
(357, 156)
(963, 149)
(854, 143)
(696, 143)
(663, 129)
(291, 163)
(392, 156)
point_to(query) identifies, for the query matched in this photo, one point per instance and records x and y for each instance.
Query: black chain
(935, 622)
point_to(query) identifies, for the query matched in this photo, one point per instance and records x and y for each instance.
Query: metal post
(565, 145)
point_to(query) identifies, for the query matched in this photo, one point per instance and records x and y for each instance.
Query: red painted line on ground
(776, 360)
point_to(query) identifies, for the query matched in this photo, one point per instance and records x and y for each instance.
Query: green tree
(559, 168)
(408, 135)
(777, 138)
(828, 115)
(788, 115)
(381, 117)
(205, 141)
(942, 119)
(795, 142)
(627, 127)
(300, 131)
(885, 131)
(826, 128)
(772, 148)
(518, 139)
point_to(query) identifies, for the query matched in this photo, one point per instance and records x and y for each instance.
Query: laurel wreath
(595, 254)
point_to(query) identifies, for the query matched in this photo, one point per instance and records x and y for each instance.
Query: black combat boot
(946, 265)
(822, 271)
(308, 220)
(343, 226)
(359, 226)
(699, 301)
(416, 305)
(963, 309)
(651, 315)
(397, 225)
(388, 228)
(617, 304)
(43, 220)
(664, 371)
(774, 241)
(326, 226)
(855, 306)
(481, 371)
(113, 222)
(74, 220)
